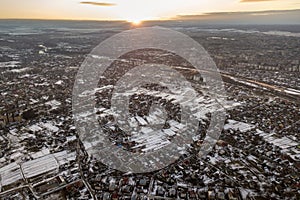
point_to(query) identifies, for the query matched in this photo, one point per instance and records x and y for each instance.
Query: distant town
(256, 157)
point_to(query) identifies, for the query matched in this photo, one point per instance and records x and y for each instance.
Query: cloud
(98, 3)
(252, 1)
(254, 17)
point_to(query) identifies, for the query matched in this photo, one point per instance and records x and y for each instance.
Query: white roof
(35, 128)
(141, 120)
(39, 166)
(50, 127)
(10, 173)
(241, 126)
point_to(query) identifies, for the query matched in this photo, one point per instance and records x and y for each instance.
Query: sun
(135, 22)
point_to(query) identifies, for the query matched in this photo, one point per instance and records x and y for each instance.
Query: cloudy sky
(137, 10)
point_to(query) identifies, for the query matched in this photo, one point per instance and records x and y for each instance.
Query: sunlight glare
(135, 22)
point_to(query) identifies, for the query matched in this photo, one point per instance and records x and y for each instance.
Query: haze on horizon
(232, 11)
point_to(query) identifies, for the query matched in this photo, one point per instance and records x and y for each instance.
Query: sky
(135, 10)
